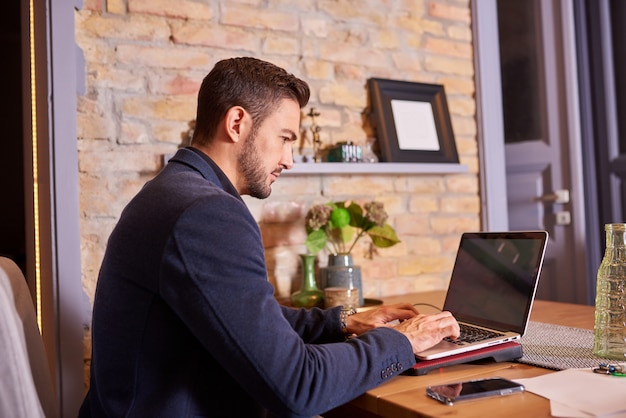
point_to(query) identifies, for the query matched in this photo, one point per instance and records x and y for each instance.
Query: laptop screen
(495, 278)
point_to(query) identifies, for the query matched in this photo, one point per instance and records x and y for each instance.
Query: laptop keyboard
(470, 334)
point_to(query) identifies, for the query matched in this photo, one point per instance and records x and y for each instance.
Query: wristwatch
(343, 319)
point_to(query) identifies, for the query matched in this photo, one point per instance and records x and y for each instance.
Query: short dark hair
(257, 86)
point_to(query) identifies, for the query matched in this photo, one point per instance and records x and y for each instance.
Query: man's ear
(236, 122)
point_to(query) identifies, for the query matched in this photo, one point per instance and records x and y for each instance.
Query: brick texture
(144, 61)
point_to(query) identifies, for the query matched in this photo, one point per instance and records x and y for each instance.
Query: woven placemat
(558, 347)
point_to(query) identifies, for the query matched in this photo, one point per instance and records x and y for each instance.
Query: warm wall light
(33, 123)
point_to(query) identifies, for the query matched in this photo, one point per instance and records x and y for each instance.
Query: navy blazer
(185, 322)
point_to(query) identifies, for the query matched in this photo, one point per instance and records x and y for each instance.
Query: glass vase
(309, 295)
(341, 272)
(369, 156)
(610, 311)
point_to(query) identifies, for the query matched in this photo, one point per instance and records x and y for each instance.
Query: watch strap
(343, 318)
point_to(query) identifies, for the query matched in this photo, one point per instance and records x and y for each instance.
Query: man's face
(269, 149)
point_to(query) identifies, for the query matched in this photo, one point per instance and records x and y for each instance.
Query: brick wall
(145, 60)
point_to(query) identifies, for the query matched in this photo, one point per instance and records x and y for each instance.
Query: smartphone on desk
(473, 389)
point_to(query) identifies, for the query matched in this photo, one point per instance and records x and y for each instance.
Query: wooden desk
(404, 396)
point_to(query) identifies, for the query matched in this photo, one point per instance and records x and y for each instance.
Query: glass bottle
(309, 294)
(610, 313)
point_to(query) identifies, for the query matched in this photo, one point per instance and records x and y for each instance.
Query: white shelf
(375, 168)
(300, 168)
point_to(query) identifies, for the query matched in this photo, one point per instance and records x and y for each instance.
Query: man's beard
(252, 169)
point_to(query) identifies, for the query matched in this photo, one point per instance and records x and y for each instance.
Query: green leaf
(346, 233)
(356, 215)
(315, 241)
(335, 205)
(342, 235)
(383, 236)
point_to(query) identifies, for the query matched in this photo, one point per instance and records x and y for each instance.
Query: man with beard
(185, 323)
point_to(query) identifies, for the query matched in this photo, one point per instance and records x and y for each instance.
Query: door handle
(559, 196)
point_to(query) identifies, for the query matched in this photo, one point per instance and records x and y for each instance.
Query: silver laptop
(492, 288)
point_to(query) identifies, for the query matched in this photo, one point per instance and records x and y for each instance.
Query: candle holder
(315, 130)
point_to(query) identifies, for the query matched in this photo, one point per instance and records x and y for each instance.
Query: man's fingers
(424, 331)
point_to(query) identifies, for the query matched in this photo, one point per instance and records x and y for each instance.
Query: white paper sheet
(415, 125)
(580, 393)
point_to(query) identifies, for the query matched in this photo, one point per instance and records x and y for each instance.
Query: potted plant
(338, 226)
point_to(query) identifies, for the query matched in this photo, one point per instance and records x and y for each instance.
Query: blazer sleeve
(315, 325)
(213, 275)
